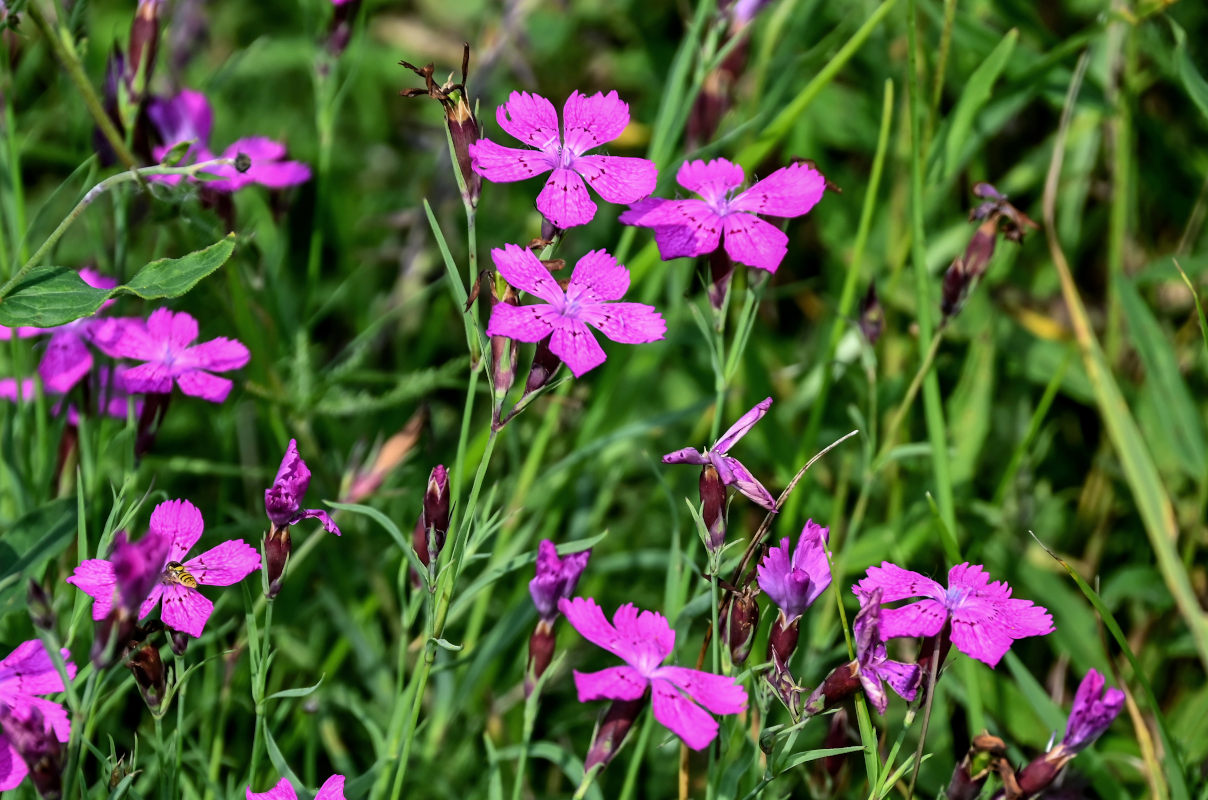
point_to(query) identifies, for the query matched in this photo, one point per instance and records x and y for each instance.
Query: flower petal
(592, 120)
(332, 789)
(95, 578)
(924, 618)
(524, 271)
(185, 610)
(788, 192)
(181, 522)
(686, 455)
(902, 678)
(614, 683)
(65, 361)
(197, 383)
(28, 670)
(177, 329)
(681, 716)
(500, 164)
(897, 584)
(324, 519)
(564, 200)
(618, 179)
(628, 323)
(746, 483)
(681, 228)
(597, 277)
(229, 562)
(152, 599)
(712, 180)
(284, 790)
(874, 690)
(531, 119)
(739, 429)
(12, 766)
(718, 693)
(216, 355)
(636, 638)
(150, 378)
(749, 240)
(574, 343)
(523, 323)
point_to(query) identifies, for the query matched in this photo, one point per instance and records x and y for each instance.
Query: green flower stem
(899, 414)
(68, 59)
(90, 196)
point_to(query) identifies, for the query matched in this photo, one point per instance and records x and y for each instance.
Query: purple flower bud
(782, 640)
(1092, 713)
(611, 732)
(740, 622)
(433, 523)
(713, 506)
(556, 578)
(32, 736)
(540, 654)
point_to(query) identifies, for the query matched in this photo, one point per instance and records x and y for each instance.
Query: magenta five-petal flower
(1092, 712)
(283, 500)
(794, 581)
(732, 472)
(556, 578)
(695, 227)
(596, 282)
(67, 358)
(588, 122)
(332, 789)
(985, 618)
(875, 665)
(25, 673)
(187, 117)
(128, 578)
(186, 609)
(110, 395)
(165, 343)
(644, 640)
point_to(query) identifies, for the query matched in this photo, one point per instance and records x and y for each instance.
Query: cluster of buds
(556, 579)
(997, 217)
(432, 526)
(459, 116)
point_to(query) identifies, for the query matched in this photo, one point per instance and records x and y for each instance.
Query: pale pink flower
(588, 122)
(597, 281)
(644, 640)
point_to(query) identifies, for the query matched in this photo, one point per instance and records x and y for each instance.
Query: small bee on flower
(175, 572)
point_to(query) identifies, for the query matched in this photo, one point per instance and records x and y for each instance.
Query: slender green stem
(68, 59)
(899, 414)
(90, 197)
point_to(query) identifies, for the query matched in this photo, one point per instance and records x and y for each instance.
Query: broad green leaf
(976, 93)
(51, 296)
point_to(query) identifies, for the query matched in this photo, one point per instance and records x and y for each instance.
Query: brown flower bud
(782, 641)
(277, 547)
(540, 654)
(740, 622)
(713, 507)
(459, 116)
(610, 733)
(148, 670)
(842, 682)
(144, 42)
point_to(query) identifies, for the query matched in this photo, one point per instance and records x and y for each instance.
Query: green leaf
(976, 93)
(51, 296)
(1193, 81)
(33, 540)
(1179, 420)
(300, 692)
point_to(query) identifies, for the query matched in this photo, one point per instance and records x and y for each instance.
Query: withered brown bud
(986, 754)
(459, 116)
(611, 732)
(842, 682)
(713, 507)
(872, 316)
(782, 682)
(540, 654)
(148, 670)
(277, 548)
(740, 622)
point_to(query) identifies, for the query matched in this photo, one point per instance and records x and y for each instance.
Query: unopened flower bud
(277, 547)
(713, 507)
(148, 670)
(1039, 774)
(986, 754)
(179, 642)
(740, 622)
(721, 270)
(433, 523)
(144, 42)
(842, 682)
(955, 289)
(545, 364)
(837, 736)
(782, 641)
(459, 116)
(610, 733)
(540, 654)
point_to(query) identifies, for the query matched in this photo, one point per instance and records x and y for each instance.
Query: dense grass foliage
(1050, 426)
